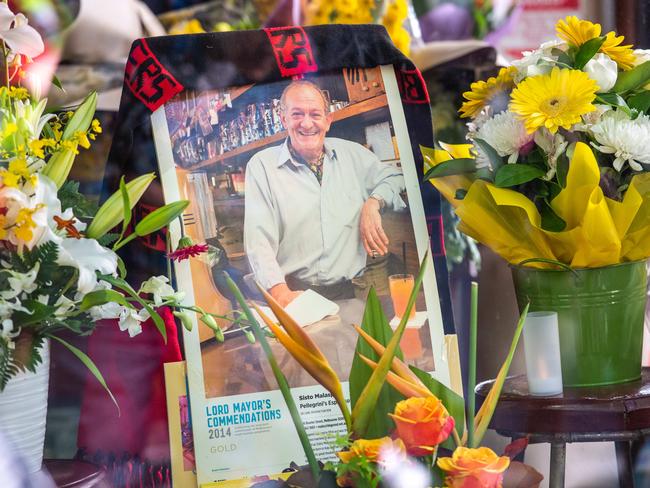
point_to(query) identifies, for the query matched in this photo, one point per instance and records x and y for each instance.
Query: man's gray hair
(300, 84)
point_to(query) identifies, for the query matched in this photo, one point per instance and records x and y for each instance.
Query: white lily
(88, 256)
(63, 306)
(20, 283)
(159, 287)
(131, 320)
(19, 37)
(30, 117)
(110, 310)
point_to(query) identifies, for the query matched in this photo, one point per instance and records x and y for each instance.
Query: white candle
(542, 352)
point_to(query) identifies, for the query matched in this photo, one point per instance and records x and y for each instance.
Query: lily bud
(209, 321)
(184, 318)
(82, 118)
(58, 167)
(111, 213)
(249, 336)
(218, 334)
(160, 217)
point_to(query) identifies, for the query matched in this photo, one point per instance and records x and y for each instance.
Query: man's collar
(285, 155)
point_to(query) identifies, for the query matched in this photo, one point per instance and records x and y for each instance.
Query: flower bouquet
(402, 420)
(58, 267)
(556, 175)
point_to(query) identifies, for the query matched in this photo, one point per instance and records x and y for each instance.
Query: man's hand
(283, 294)
(372, 233)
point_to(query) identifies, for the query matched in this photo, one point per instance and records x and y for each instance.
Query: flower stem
(279, 376)
(471, 380)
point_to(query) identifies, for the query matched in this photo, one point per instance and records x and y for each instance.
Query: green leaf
(363, 409)
(496, 161)
(453, 402)
(126, 202)
(39, 313)
(484, 415)
(374, 323)
(550, 220)
(124, 286)
(121, 268)
(640, 101)
(101, 297)
(57, 83)
(451, 167)
(587, 51)
(485, 174)
(516, 174)
(562, 57)
(562, 169)
(88, 363)
(615, 100)
(460, 194)
(634, 78)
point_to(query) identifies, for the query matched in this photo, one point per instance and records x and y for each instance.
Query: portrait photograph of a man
(297, 186)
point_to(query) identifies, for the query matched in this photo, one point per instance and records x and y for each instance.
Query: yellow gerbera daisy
(555, 100)
(482, 92)
(623, 55)
(576, 32)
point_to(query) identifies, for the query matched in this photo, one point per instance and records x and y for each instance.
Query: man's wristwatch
(382, 204)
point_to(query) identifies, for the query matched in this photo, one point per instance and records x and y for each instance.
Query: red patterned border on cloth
(147, 78)
(292, 50)
(411, 86)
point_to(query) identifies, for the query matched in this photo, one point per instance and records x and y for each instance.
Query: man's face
(305, 119)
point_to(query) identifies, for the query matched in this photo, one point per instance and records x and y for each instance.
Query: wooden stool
(618, 413)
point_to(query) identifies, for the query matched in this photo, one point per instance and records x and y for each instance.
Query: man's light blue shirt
(294, 226)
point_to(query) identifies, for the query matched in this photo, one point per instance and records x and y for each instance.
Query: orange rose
(380, 451)
(474, 468)
(375, 450)
(422, 423)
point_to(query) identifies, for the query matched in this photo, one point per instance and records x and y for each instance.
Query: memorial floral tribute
(59, 270)
(556, 168)
(403, 422)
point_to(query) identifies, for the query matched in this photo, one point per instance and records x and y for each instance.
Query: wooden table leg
(558, 461)
(624, 464)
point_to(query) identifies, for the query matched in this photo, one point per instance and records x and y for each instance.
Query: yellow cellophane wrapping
(599, 231)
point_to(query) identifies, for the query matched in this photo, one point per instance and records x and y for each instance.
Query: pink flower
(187, 252)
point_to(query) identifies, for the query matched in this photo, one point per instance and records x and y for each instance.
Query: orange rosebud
(422, 423)
(382, 451)
(375, 450)
(470, 468)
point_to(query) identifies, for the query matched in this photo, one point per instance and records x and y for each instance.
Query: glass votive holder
(542, 354)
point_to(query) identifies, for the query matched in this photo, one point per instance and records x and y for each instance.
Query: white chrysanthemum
(506, 134)
(628, 140)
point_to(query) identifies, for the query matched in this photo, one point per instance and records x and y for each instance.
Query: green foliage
(496, 161)
(587, 51)
(82, 207)
(8, 365)
(632, 79)
(452, 167)
(516, 174)
(550, 220)
(375, 323)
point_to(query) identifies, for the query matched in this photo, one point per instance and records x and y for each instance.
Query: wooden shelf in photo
(351, 110)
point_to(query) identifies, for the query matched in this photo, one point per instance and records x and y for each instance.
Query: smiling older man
(313, 203)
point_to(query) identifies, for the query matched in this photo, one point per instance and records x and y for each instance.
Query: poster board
(238, 413)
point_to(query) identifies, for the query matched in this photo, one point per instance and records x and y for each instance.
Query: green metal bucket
(600, 317)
